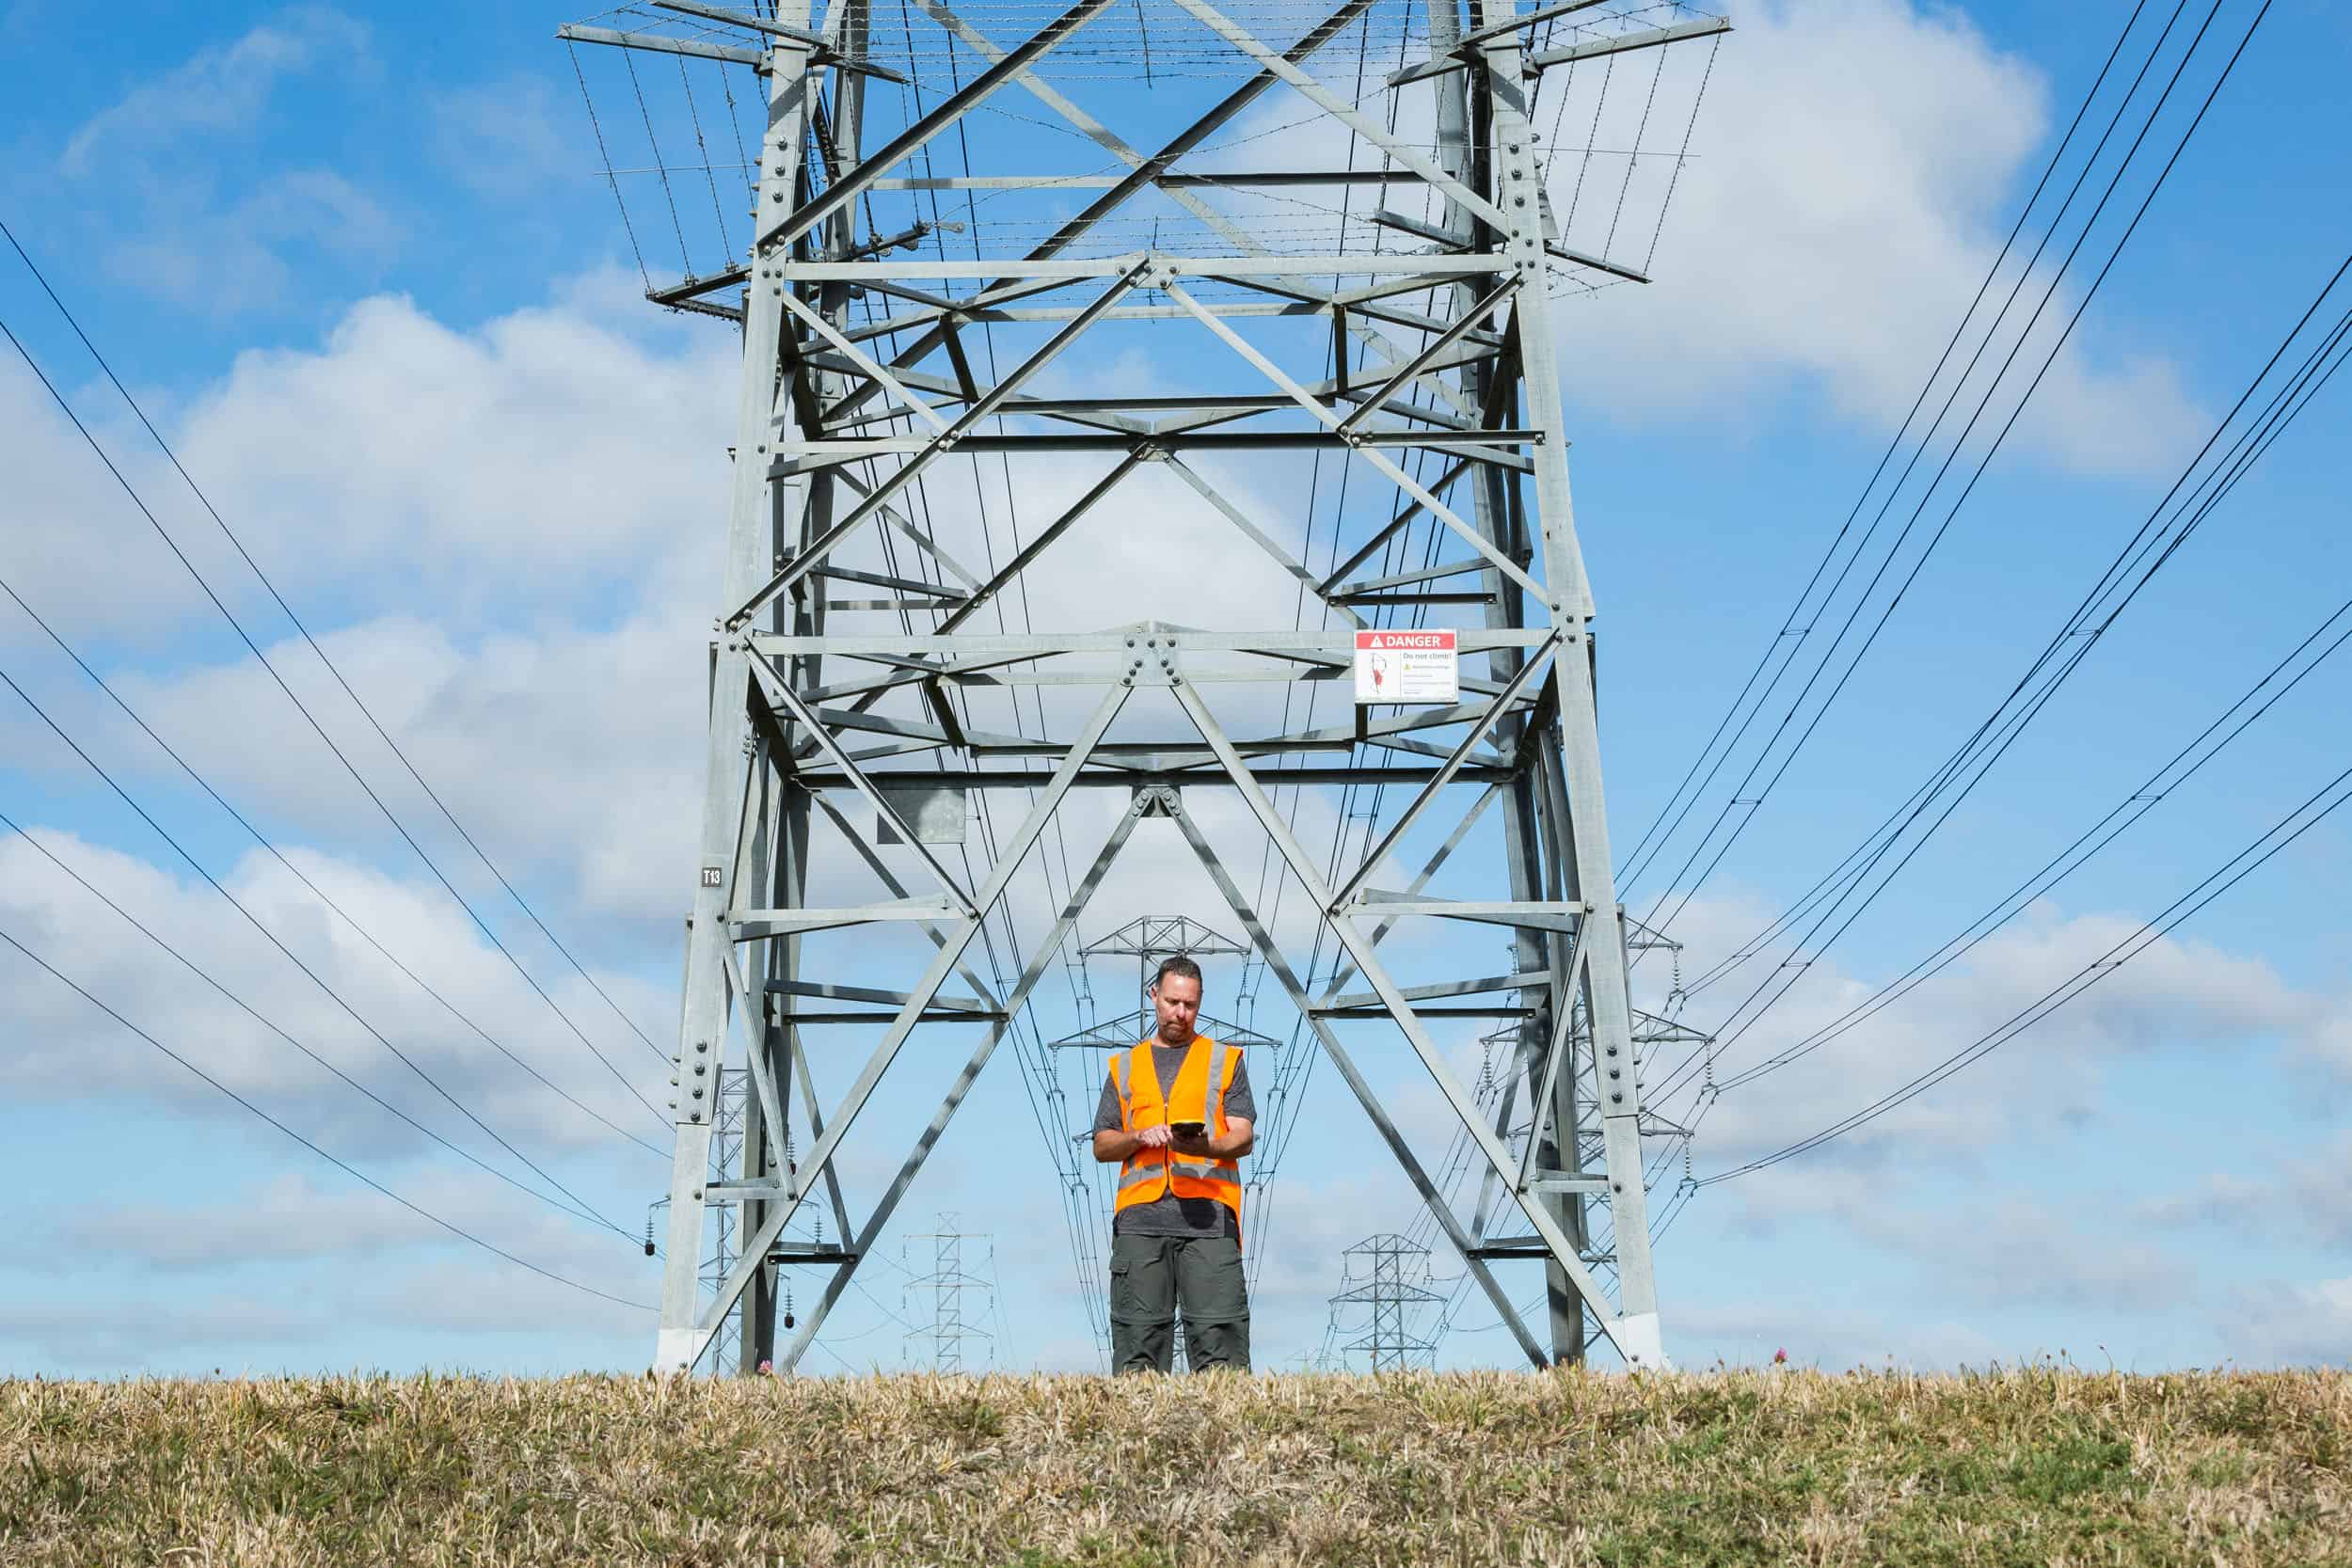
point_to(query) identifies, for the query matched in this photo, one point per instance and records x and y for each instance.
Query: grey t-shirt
(1167, 1215)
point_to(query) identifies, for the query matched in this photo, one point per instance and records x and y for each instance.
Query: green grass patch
(2031, 1465)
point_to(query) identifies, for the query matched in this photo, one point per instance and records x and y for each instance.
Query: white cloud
(1854, 167)
(2019, 1250)
(221, 88)
(2177, 992)
(2285, 1323)
(2295, 1195)
(62, 1050)
(505, 138)
(537, 456)
(117, 1336)
(289, 1218)
(242, 256)
(180, 225)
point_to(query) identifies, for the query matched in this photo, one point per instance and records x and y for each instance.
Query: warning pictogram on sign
(1408, 666)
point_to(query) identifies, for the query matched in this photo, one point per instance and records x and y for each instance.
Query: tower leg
(1617, 1093)
(705, 1023)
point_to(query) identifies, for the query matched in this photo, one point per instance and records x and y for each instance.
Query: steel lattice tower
(1394, 1285)
(1412, 338)
(944, 1284)
(1147, 940)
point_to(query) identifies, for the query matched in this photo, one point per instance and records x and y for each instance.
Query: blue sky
(362, 269)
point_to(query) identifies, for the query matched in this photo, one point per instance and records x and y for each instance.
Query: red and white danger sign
(1408, 666)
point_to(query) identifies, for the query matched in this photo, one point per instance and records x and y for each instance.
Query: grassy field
(2039, 1466)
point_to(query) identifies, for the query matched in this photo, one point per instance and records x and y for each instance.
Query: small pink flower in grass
(767, 1369)
(1780, 1358)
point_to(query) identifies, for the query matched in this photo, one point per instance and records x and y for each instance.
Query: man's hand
(1240, 1138)
(1113, 1147)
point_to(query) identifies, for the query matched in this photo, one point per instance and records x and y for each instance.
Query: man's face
(1178, 999)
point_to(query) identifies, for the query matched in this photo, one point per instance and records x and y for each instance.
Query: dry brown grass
(2042, 1465)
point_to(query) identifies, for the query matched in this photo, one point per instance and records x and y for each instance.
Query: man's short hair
(1179, 965)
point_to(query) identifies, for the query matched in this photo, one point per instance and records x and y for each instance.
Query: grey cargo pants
(1151, 1276)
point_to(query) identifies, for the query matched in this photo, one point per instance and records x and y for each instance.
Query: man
(1176, 1231)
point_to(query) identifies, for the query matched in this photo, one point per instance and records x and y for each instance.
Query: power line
(320, 730)
(2227, 876)
(2075, 638)
(1635, 861)
(292, 957)
(1936, 783)
(303, 877)
(332, 669)
(197, 970)
(1984, 462)
(339, 1164)
(2133, 807)
(2248, 446)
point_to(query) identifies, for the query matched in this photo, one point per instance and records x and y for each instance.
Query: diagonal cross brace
(947, 113)
(1234, 232)
(1631, 1343)
(864, 363)
(1280, 967)
(1347, 114)
(918, 1001)
(960, 935)
(782, 692)
(1379, 460)
(1562, 1016)
(1046, 952)
(1257, 535)
(940, 445)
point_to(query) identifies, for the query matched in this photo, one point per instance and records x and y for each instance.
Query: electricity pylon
(1387, 1277)
(1431, 370)
(941, 1289)
(1147, 938)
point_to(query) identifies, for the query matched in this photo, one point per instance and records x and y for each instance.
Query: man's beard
(1183, 1033)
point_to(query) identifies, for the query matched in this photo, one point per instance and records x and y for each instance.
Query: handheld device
(1187, 1128)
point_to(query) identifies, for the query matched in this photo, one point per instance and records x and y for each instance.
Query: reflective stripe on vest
(1149, 1174)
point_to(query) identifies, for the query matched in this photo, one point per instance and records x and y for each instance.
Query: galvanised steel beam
(1478, 446)
(1122, 778)
(929, 452)
(1341, 1058)
(580, 33)
(1634, 1337)
(1491, 385)
(841, 193)
(1576, 772)
(705, 1024)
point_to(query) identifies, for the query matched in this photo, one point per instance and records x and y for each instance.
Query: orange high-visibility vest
(1198, 1094)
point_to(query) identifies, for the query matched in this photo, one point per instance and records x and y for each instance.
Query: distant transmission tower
(941, 1291)
(934, 315)
(1387, 1284)
(726, 1150)
(1147, 941)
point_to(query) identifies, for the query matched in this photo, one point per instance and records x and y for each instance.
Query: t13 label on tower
(1408, 666)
